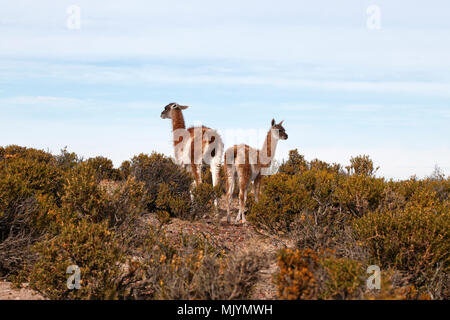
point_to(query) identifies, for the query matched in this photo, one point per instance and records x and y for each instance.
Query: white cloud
(271, 48)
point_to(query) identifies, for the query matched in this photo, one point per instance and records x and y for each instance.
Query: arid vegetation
(117, 225)
(345, 220)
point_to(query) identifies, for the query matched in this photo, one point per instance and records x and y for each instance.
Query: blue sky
(341, 88)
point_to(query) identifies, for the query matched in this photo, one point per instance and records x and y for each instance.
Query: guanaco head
(167, 112)
(280, 129)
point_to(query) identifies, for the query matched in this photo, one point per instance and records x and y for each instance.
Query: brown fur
(176, 115)
(249, 171)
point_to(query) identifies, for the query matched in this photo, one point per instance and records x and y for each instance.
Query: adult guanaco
(195, 146)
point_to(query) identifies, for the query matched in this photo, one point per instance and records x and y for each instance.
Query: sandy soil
(8, 292)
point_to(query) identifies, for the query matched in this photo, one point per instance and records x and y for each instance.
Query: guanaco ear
(281, 123)
(273, 122)
(183, 107)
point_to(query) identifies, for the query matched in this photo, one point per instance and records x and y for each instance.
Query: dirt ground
(230, 237)
(8, 292)
(234, 238)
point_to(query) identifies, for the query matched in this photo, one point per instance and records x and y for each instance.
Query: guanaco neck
(177, 120)
(268, 150)
(177, 124)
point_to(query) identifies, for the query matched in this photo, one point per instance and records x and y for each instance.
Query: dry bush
(358, 194)
(30, 183)
(296, 279)
(395, 285)
(329, 228)
(203, 199)
(168, 200)
(295, 164)
(84, 198)
(414, 239)
(156, 169)
(282, 199)
(90, 246)
(402, 225)
(344, 278)
(18, 234)
(14, 151)
(67, 160)
(307, 274)
(191, 268)
(314, 188)
(169, 203)
(103, 168)
(361, 166)
(125, 169)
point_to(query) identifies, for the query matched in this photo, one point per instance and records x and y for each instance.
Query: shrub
(90, 246)
(316, 189)
(181, 205)
(175, 204)
(31, 154)
(157, 169)
(282, 199)
(344, 278)
(82, 195)
(395, 286)
(21, 178)
(125, 170)
(84, 198)
(192, 269)
(307, 274)
(296, 279)
(67, 160)
(295, 164)
(30, 184)
(414, 239)
(361, 166)
(203, 200)
(18, 232)
(103, 168)
(359, 194)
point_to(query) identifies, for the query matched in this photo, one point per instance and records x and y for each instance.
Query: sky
(346, 79)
